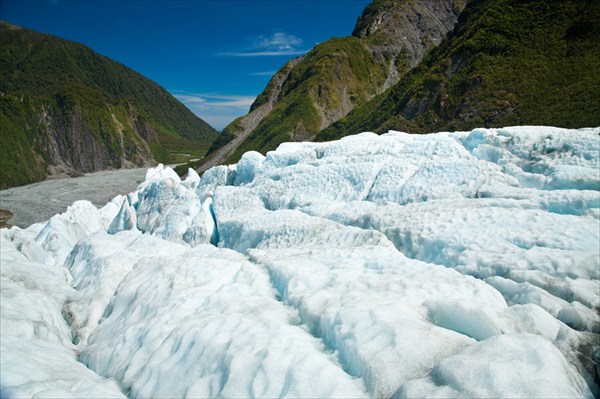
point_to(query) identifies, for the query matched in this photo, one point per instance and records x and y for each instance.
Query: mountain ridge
(483, 64)
(506, 63)
(336, 76)
(68, 109)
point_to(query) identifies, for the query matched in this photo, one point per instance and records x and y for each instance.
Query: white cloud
(278, 41)
(263, 73)
(274, 44)
(216, 109)
(189, 99)
(262, 53)
(213, 100)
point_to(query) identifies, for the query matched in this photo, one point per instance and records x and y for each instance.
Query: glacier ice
(462, 264)
(218, 332)
(514, 356)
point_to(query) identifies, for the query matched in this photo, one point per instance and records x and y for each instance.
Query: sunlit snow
(459, 264)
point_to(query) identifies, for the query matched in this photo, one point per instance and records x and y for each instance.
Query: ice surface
(97, 266)
(38, 359)
(209, 326)
(368, 304)
(523, 366)
(170, 210)
(461, 264)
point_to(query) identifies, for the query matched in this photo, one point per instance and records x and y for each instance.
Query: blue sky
(214, 56)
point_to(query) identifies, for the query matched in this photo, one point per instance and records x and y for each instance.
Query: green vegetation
(55, 90)
(225, 136)
(222, 139)
(263, 97)
(340, 69)
(18, 162)
(185, 150)
(508, 62)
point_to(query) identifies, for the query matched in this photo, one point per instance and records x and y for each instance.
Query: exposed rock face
(62, 142)
(69, 148)
(310, 93)
(401, 32)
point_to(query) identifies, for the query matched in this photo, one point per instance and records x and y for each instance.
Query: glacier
(454, 264)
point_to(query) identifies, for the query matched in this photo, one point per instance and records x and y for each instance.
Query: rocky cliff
(66, 109)
(400, 33)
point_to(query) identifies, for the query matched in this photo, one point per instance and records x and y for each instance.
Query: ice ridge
(460, 264)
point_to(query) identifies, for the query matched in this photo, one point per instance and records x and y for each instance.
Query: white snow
(461, 264)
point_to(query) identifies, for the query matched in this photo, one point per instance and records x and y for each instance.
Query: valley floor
(37, 202)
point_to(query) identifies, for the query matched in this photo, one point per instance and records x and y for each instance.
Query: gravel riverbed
(39, 201)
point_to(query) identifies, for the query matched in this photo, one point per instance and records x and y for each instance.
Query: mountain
(65, 108)
(507, 62)
(422, 66)
(450, 265)
(309, 93)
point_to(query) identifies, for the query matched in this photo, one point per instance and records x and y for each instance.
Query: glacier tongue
(458, 264)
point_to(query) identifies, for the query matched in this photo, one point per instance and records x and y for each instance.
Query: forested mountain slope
(65, 108)
(507, 62)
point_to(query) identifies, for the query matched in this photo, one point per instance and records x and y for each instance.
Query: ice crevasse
(462, 264)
